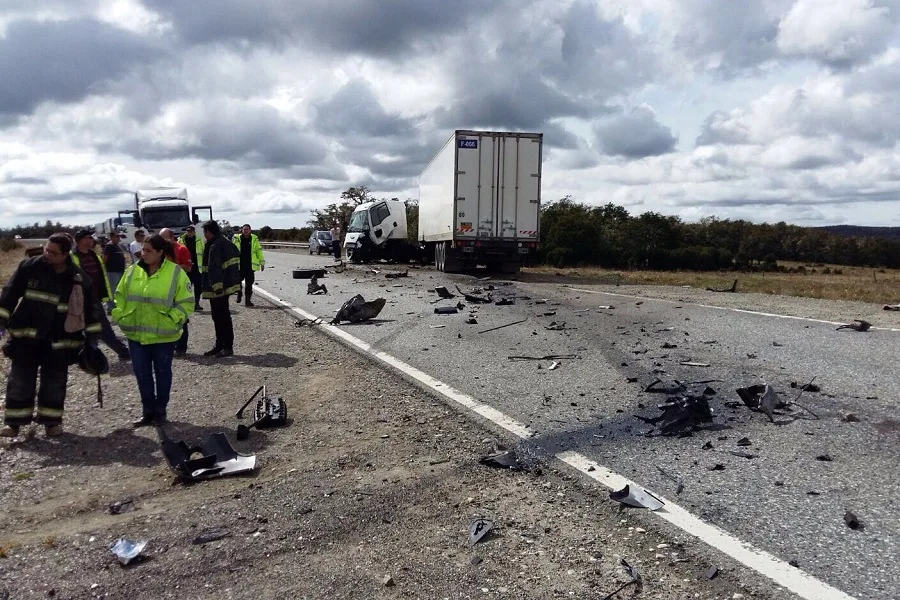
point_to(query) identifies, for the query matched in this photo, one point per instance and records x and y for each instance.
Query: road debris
(308, 322)
(396, 275)
(744, 442)
(269, 412)
(502, 326)
(443, 292)
(732, 289)
(475, 298)
(809, 387)
(504, 459)
(853, 521)
(741, 454)
(210, 535)
(308, 273)
(892, 307)
(680, 414)
(315, 288)
(712, 572)
(676, 387)
(547, 357)
(638, 497)
(688, 363)
(471, 321)
(560, 326)
(127, 551)
(635, 580)
(606, 307)
(118, 508)
(554, 366)
(850, 418)
(856, 325)
(679, 482)
(356, 309)
(668, 346)
(761, 398)
(217, 458)
(446, 310)
(478, 529)
(824, 458)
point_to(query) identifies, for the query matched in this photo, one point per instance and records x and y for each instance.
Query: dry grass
(9, 260)
(853, 283)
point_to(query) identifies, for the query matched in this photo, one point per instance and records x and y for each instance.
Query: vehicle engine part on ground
(314, 287)
(503, 460)
(856, 325)
(217, 458)
(127, 550)
(356, 309)
(243, 431)
(478, 529)
(308, 273)
(637, 497)
(681, 414)
(733, 288)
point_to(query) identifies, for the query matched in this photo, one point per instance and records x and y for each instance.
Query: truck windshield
(174, 216)
(125, 220)
(359, 221)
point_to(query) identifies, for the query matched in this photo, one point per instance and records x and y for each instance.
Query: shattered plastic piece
(768, 402)
(681, 414)
(688, 363)
(308, 273)
(315, 288)
(637, 497)
(504, 302)
(553, 366)
(674, 388)
(474, 298)
(125, 506)
(713, 571)
(478, 529)
(856, 325)
(762, 398)
(443, 292)
(852, 521)
(892, 307)
(127, 550)
(397, 275)
(744, 442)
(446, 310)
(707, 446)
(807, 387)
(503, 460)
(218, 458)
(554, 326)
(824, 458)
(356, 309)
(741, 454)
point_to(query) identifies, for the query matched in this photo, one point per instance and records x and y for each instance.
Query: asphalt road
(784, 499)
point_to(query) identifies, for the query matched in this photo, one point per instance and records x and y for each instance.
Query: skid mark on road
(804, 585)
(737, 310)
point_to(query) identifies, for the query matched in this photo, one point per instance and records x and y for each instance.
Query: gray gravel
(588, 405)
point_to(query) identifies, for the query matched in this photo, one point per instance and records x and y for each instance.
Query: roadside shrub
(838, 271)
(826, 271)
(7, 244)
(561, 257)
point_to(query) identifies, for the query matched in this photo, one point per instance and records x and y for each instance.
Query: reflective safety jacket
(152, 309)
(183, 240)
(107, 292)
(256, 253)
(221, 276)
(35, 301)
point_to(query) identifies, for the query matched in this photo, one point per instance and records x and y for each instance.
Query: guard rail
(278, 244)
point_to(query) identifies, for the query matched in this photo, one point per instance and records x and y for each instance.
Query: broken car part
(547, 357)
(315, 288)
(446, 310)
(856, 325)
(637, 497)
(396, 275)
(356, 309)
(503, 460)
(443, 292)
(240, 413)
(127, 550)
(478, 529)
(125, 506)
(635, 580)
(853, 521)
(474, 298)
(681, 414)
(308, 273)
(217, 458)
(502, 326)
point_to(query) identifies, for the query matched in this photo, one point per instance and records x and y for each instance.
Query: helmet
(92, 360)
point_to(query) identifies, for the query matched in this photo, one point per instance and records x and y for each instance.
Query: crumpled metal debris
(314, 287)
(680, 414)
(638, 497)
(475, 298)
(217, 458)
(356, 309)
(396, 275)
(478, 529)
(505, 459)
(128, 550)
(856, 325)
(443, 292)
(762, 398)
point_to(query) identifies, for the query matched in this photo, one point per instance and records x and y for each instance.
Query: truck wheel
(439, 256)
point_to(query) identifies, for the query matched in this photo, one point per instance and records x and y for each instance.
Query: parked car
(320, 241)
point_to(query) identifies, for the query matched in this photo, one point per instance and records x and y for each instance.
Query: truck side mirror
(196, 219)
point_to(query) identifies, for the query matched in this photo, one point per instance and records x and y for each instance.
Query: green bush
(7, 244)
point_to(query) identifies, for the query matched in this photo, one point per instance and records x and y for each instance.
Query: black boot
(145, 421)
(212, 352)
(239, 296)
(225, 352)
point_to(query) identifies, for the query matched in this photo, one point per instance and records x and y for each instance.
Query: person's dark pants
(22, 384)
(109, 337)
(194, 277)
(336, 249)
(248, 278)
(152, 365)
(221, 316)
(181, 344)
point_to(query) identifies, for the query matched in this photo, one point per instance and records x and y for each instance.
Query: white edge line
(738, 310)
(804, 585)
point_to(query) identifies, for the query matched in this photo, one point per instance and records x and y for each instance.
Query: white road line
(804, 585)
(738, 310)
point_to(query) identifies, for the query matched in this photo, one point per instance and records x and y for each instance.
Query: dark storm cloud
(635, 135)
(354, 26)
(354, 110)
(64, 61)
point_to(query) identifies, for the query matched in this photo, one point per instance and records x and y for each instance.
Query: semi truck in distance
(479, 205)
(158, 208)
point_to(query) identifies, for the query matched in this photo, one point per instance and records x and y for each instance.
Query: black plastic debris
(712, 572)
(681, 414)
(741, 454)
(446, 310)
(661, 387)
(554, 326)
(308, 273)
(471, 321)
(397, 275)
(505, 302)
(707, 446)
(315, 288)
(216, 458)
(505, 459)
(716, 467)
(210, 535)
(806, 387)
(761, 398)
(546, 357)
(478, 529)
(668, 346)
(853, 521)
(356, 309)
(856, 325)
(475, 298)
(824, 458)
(502, 326)
(744, 442)
(637, 497)
(443, 292)
(124, 506)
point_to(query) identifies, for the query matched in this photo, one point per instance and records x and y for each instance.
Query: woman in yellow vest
(153, 302)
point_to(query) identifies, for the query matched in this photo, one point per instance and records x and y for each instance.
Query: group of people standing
(60, 301)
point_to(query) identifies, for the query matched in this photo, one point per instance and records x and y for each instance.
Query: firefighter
(251, 261)
(49, 311)
(194, 244)
(221, 278)
(153, 303)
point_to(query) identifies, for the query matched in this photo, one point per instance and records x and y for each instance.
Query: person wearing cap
(84, 256)
(251, 261)
(195, 246)
(137, 244)
(47, 312)
(114, 261)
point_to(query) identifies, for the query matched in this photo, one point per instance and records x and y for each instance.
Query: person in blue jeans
(114, 258)
(153, 302)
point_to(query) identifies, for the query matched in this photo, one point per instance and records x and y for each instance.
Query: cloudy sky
(766, 110)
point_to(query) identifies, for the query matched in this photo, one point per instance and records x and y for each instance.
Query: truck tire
(439, 256)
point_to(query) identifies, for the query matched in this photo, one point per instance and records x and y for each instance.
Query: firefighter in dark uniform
(47, 311)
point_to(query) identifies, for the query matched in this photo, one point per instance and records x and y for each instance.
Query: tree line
(574, 234)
